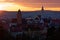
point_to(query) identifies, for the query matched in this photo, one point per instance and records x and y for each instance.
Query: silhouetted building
(42, 8)
(19, 17)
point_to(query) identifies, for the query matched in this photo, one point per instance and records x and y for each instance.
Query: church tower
(19, 17)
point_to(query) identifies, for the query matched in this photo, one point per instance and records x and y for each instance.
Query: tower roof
(19, 11)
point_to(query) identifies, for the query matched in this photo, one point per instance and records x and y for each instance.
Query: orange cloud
(29, 5)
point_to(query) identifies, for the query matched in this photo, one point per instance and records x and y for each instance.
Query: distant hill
(32, 14)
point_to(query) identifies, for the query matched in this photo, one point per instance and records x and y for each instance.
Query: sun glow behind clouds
(14, 7)
(7, 6)
(3, 6)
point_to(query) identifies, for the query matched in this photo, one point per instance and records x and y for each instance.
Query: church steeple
(42, 8)
(19, 17)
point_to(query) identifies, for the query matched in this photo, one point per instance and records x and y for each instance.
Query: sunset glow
(15, 7)
(29, 5)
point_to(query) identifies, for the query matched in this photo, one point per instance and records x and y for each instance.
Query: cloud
(2, 0)
(35, 3)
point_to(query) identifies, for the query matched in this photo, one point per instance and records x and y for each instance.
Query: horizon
(28, 11)
(29, 5)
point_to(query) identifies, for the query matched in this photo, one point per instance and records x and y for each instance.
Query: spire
(42, 8)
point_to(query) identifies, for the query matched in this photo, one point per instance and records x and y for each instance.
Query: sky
(29, 5)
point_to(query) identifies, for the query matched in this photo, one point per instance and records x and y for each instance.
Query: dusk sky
(29, 5)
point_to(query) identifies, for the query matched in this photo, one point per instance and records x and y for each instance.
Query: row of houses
(21, 24)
